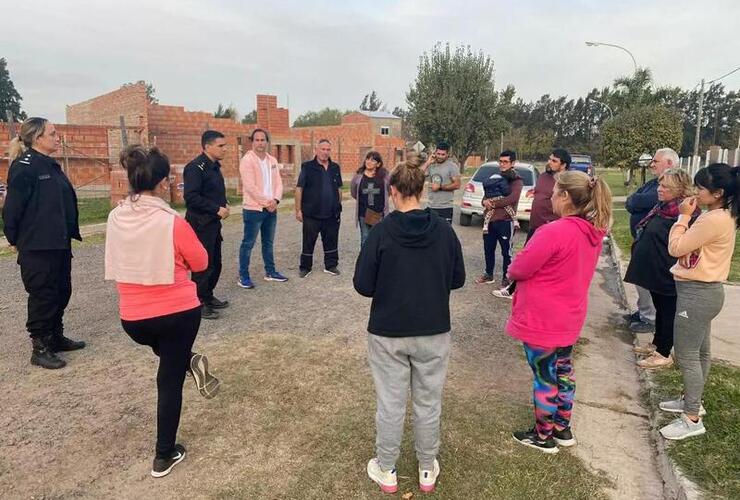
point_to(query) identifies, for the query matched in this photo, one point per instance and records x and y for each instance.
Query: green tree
(371, 102)
(453, 99)
(642, 129)
(226, 112)
(10, 99)
(250, 117)
(326, 116)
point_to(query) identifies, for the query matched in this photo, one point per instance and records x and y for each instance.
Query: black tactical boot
(43, 356)
(60, 343)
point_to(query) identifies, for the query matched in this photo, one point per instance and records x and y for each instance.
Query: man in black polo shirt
(205, 200)
(318, 205)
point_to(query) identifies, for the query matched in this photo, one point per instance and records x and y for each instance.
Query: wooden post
(11, 123)
(124, 135)
(64, 153)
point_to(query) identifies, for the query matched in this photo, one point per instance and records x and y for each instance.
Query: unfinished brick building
(92, 139)
(177, 131)
(358, 133)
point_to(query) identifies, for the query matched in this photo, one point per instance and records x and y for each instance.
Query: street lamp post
(611, 114)
(597, 44)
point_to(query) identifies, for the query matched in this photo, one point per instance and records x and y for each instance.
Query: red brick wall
(130, 101)
(89, 151)
(177, 132)
(350, 142)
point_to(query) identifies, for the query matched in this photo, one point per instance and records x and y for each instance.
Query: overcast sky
(200, 53)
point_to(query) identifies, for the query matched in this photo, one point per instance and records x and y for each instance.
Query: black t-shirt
(370, 194)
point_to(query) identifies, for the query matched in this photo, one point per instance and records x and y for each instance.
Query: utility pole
(698, 118)
(701, 108)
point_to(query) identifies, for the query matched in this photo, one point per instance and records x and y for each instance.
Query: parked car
(582, 163)
(473, 194)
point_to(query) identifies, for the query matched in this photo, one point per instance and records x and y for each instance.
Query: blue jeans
(256, 221)
(364, 230)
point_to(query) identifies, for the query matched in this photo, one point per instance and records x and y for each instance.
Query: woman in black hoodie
(408, 265)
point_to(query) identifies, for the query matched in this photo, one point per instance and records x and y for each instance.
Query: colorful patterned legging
(554, 387)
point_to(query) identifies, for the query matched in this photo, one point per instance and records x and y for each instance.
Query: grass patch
(615, 179)
(620, 229)
(711, 460)
(306, 406)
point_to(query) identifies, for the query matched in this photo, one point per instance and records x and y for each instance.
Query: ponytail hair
(722, 176)
(591, 197)
(408, 178)
(146, 167)
(31, 129)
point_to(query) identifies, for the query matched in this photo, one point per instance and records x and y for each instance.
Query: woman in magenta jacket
(558, 262)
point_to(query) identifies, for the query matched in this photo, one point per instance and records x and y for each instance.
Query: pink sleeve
(249, 182)
(189, 246)
(534, 255)
(278, 188)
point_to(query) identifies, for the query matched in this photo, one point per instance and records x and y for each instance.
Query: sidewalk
(725, 339)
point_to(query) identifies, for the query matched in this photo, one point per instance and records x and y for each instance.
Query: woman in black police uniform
(40, 217)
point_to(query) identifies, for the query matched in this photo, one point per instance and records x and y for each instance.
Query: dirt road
(295, 416)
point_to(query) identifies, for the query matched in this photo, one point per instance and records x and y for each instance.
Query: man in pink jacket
(262, 190)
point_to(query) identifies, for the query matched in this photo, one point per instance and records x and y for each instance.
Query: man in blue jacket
(638, 204)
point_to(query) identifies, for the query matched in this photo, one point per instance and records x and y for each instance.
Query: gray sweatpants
(397, 363)
(697, 304)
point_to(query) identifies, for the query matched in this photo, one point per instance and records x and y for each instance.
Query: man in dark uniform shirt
(40, 220)
(205, 200)
(318, 205)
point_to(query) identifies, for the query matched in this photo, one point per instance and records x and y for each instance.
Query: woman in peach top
(704, 253)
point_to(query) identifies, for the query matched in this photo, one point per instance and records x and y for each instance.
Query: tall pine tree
(10, 99)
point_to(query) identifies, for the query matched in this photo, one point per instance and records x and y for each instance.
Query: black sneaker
(531, 439)
(162, 466)
(303, 273)
(564, 437)
(206, 312)
(214, 303)
(332, 270)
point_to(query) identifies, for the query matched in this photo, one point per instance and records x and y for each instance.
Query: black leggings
(665, 312)
(171, 338)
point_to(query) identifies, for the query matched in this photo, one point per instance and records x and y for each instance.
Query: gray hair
(668, 154)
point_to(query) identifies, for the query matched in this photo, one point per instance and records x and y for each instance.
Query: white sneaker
(428, 478)
(386, 479)
(677, 405)
(682, 428)
(502, 293)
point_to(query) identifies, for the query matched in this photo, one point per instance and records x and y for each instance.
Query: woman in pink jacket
(556, 268)
(149, 250)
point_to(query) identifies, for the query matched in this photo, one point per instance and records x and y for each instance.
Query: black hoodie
(408, 265)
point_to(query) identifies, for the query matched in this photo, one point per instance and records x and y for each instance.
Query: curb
(675, 484)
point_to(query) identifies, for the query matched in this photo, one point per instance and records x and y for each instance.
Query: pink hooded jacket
(553, 273)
